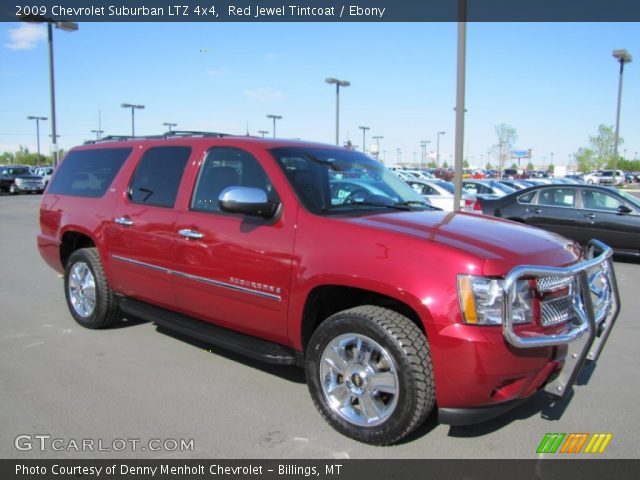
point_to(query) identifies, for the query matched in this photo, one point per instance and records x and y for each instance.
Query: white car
(606, 177)
(45, 173)
(440, 194)
(592, 177)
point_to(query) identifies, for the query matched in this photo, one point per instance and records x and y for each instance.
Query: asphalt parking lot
(138, 382)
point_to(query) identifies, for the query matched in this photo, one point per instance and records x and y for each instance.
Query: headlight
(18, 181)
(481, 300)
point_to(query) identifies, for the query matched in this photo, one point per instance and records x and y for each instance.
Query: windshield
(448, 186)
(17, 171)
(331, 181)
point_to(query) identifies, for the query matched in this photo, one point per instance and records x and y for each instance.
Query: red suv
(318, 256)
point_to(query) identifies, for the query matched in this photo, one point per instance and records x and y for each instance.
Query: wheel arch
(326, 300)
(71, 241)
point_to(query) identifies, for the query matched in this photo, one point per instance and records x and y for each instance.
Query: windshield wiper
(403, 206)
(410, 203)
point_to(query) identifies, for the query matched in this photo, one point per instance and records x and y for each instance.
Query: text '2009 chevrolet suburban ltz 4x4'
(318, 256)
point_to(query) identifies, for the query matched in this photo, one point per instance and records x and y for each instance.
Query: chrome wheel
(82, 289)
(359, 380)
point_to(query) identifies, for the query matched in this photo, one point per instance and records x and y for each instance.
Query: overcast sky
(553, 82)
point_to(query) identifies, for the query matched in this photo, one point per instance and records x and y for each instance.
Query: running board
(247, 345)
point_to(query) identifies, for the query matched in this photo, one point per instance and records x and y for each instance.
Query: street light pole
(423, 159)
(98, 133)
(364, 130)
(37, 119)
(623, 57)
(133, 119)
(377, 139)
(438, 148)
(68, 27)
(263, 132)
(170, 125)
(274, 117)
(339, 83)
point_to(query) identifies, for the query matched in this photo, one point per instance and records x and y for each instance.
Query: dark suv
(16, 179)
(313, 255)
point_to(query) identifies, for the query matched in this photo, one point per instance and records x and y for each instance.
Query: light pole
(170, 125)
(377, 138)
(37, 119)
(438, 148)
(623, 57)
(364, 131)
(399, 153)
(98, 133)
(274, 117)
(133, 119)
(67, 27)
(423, 145)
(263, 132)
(339, 83)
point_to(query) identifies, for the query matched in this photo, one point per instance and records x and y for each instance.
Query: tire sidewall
(395, 426)
(95, 319)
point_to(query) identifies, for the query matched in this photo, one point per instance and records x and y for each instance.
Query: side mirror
(624, 209)
(247, 201)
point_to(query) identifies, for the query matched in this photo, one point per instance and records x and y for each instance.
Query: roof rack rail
(193, 133)
(171, 134)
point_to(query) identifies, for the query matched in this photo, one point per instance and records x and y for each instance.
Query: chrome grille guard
(589, 329)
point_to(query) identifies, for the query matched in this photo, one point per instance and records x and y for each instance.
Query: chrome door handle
(590, 215)
(534, 210)
(190, 233)
(127, 222)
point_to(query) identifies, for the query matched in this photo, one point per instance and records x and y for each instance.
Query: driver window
(226, 167)
(599, 201)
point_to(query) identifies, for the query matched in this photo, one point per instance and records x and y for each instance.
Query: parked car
(486, 188)
(592, 177)
(18, 179)
(391, 307)
(45, 173)
(440, 194)
(607, 177)
(578, 212)
(516, 184)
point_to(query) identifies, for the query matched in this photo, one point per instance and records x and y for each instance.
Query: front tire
(13, 190)
(91, 301)
(369, 373)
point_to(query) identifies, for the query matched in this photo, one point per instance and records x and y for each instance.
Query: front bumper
(493, 376)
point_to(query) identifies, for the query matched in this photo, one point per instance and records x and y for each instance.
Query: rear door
(141, 233)
(556, 211)
(230, 269)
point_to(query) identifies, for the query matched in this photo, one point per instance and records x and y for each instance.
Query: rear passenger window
(527, 198)
(157, 177)
(227, 167)
(88, 173)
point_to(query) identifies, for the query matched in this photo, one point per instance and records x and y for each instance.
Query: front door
(233, 270)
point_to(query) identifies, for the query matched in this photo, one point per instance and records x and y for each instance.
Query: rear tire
(369, 374)
(91, 301)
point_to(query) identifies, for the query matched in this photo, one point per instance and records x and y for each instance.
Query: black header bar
(322, 10)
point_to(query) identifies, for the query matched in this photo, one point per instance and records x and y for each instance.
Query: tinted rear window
(158, 175)
(88, 173)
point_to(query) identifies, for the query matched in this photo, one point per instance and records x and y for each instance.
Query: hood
(502, 244)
